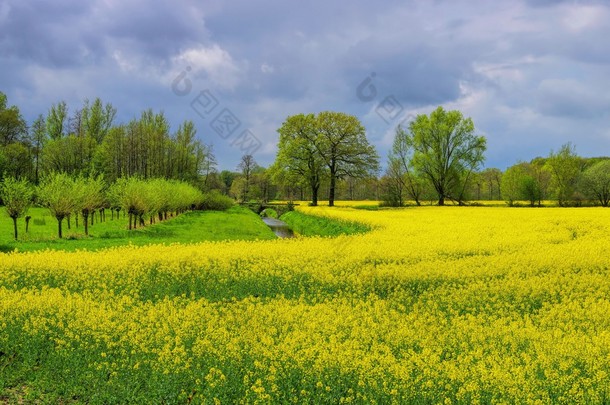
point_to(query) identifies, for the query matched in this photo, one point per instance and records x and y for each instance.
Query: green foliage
(525, 181)
(308, 225)
(13, 127)
(16, 196)
(446, 151)
(331, 140)
(90, 196)
(298, 161)
(236, 223)
(342, 144)
(215, 201)
(595, 181)
(269, 213)
(57, 120)
(58, 192)
(565, 167)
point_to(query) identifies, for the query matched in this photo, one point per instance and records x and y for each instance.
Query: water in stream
(280, 228)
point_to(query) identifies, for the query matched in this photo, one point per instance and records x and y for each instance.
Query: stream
(280, 228)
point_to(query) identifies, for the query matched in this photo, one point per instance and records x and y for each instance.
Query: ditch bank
(310, 225)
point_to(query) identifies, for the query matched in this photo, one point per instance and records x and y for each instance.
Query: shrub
(215, 201)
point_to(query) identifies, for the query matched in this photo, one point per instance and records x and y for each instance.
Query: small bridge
(280, 208)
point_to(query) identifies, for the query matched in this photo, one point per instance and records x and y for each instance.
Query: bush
(215, 201)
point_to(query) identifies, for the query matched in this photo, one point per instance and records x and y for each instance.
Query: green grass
(308, 225)
(237, 223)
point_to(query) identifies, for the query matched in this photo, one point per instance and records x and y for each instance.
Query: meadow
(194, 226)
(430, 305)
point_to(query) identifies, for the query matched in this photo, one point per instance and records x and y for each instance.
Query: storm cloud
(531, 74)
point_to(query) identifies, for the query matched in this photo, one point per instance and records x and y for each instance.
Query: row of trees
(563, 175)
(320, 156)
(66, 197)
(439, 157)
(90, 141)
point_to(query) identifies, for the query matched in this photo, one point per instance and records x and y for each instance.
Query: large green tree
(446, 151)
(341, 143)
(298, 160)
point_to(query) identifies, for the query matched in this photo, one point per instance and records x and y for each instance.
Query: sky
(532, 74)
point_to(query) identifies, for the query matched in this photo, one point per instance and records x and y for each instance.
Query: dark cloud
(531, 73)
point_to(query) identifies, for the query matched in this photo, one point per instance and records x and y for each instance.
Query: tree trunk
(86, 222)
(69, 222)
(331, 193)
(441, 200)
(314, 195)
(130, 221)
(15, 227)
(59, 232)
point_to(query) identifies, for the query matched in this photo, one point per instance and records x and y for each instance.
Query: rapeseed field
(432, 305)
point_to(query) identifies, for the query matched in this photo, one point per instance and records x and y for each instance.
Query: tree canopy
(330, 143)
(446, 151)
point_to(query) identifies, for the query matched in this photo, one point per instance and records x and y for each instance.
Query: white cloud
(266, 68)
(215, 62)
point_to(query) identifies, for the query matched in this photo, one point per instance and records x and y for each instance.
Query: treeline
(324, 156)
(563, 177)
(69, 198)
(88, 141)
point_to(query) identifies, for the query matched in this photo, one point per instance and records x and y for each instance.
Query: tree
(17, 197)
(401, 169)
(493, 180)
(393, 184)
(13, 127)
(58, 193)
(97, 119)
(89, 196)
(446, 151)
(341, 143)
(565, 167)
(38, 138)
(227, 177)
(525, 181)
(297, 154)
(595, 182)
(247, 166)
(56, 120)
(18, 160)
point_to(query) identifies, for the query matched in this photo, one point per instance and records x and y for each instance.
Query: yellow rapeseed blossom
(433, 305)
